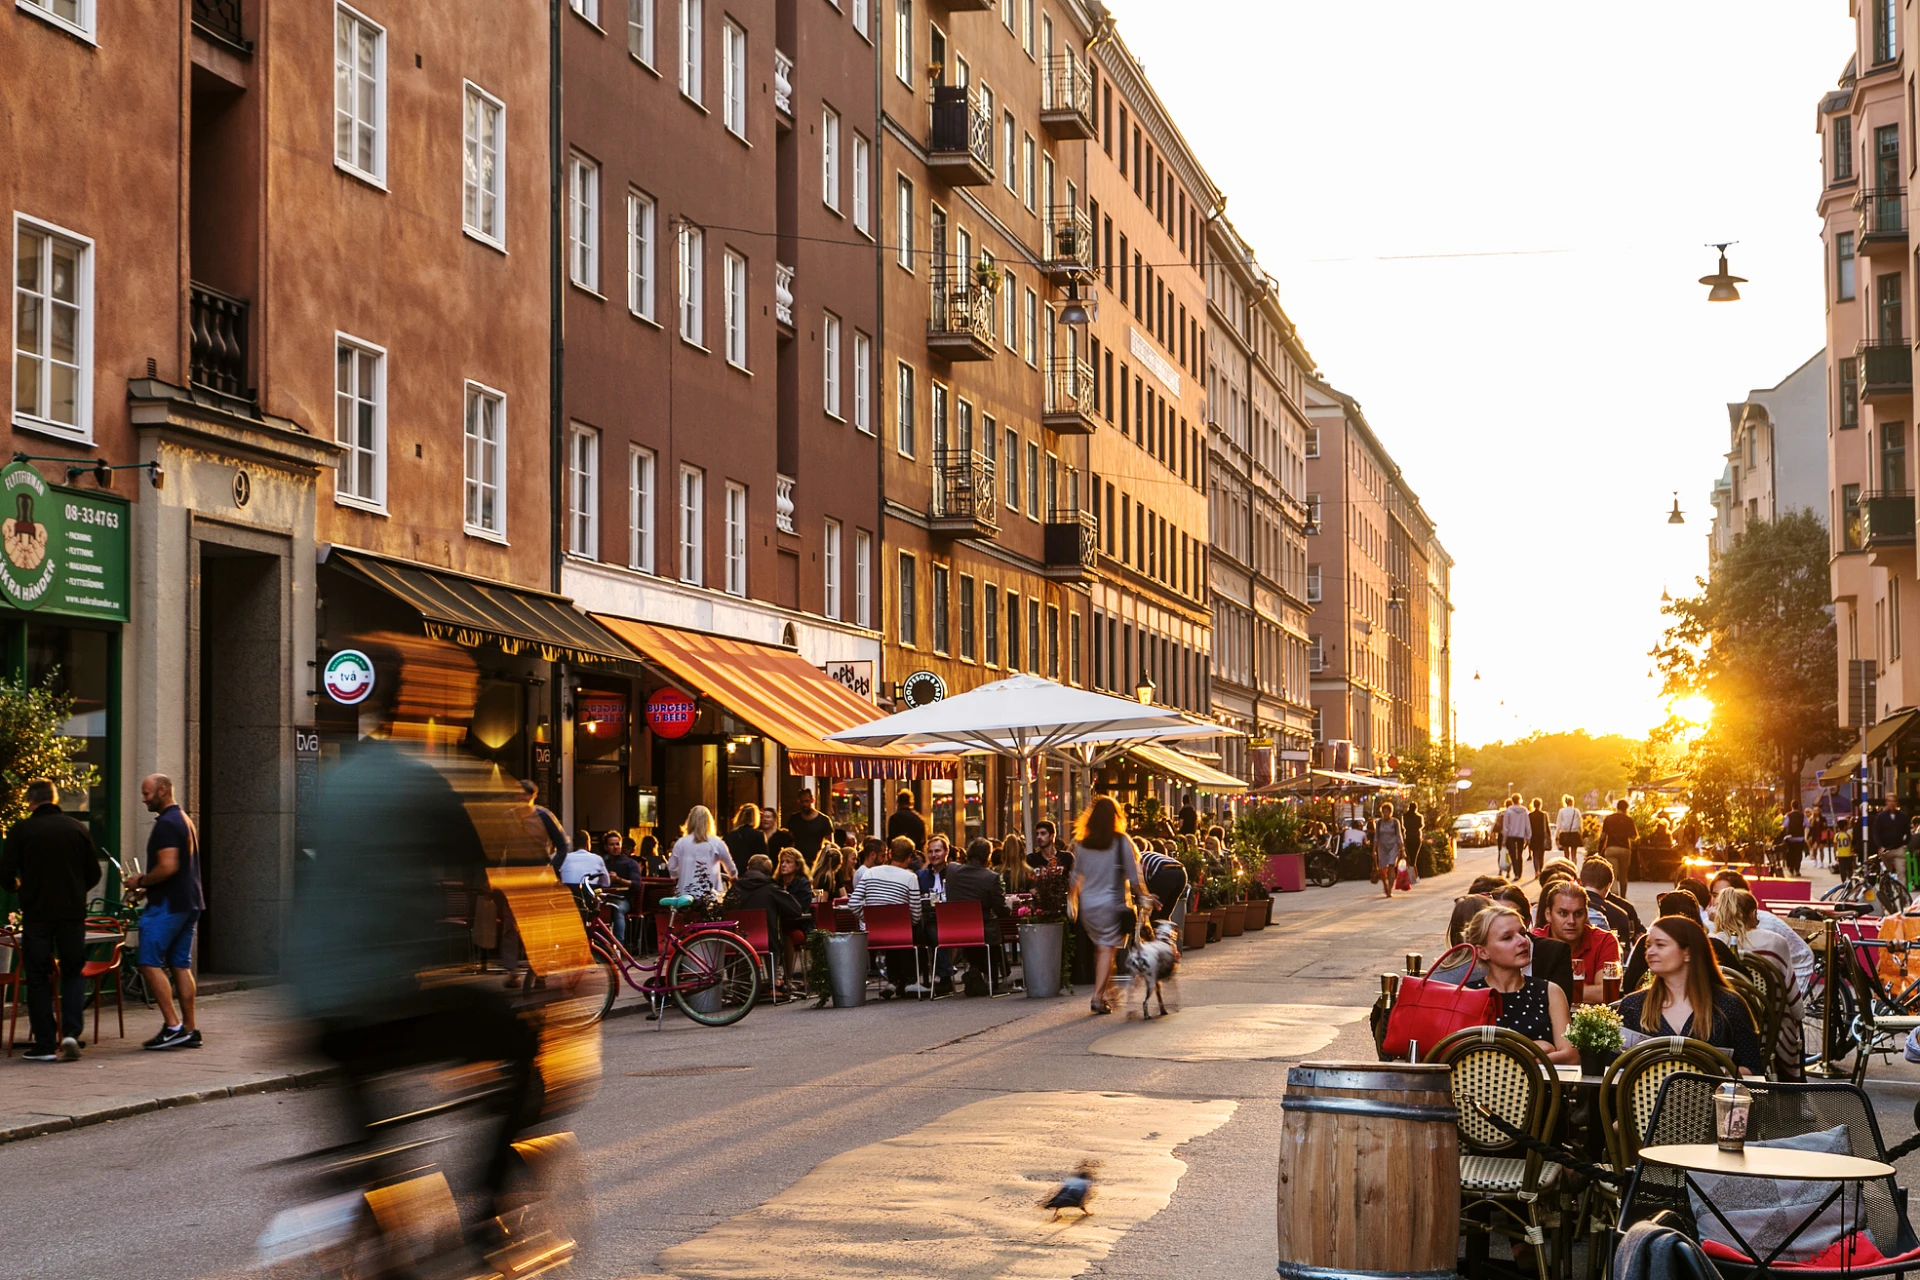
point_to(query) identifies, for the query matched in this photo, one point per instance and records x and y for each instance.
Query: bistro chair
(1683, 1113)
(752, 928)
(964, 924)
(1754, 997)
(890, 928)
(104, 962)
(10, 975)
(1773, 987)
(1502, 1182)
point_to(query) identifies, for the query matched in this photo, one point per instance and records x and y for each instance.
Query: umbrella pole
(1027, 798)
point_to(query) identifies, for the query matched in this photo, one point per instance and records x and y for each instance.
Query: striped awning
(779, 693)
(1200, 775)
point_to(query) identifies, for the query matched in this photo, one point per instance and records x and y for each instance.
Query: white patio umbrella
(1021, 718)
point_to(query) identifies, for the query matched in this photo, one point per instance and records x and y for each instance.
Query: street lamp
(1075, 311)
(1144, 689)
(1720, 285)
(1674, 516)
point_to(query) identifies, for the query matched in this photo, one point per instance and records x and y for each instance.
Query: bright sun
(1694, 708)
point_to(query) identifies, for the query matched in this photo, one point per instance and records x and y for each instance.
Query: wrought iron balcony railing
(1066, 101)
(960, 144)
(963, 494)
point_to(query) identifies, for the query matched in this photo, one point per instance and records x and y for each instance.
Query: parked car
(1472, 830)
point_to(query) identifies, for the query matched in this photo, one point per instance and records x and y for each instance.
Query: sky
(1547, 396)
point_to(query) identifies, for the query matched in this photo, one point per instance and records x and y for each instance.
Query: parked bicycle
(709, 971)
(1871, 882)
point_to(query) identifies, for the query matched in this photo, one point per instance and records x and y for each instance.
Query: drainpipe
(556, 372)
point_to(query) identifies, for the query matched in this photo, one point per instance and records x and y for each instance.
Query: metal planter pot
(847, 968)
(1040, 948)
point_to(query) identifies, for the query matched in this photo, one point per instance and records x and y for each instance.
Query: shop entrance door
(244, 780)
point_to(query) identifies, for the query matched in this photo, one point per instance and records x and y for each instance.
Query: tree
(33, 745)
(1758, 642)
(1548, 765)
(1428, 767)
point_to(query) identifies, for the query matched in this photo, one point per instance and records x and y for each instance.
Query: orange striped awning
(779, 693)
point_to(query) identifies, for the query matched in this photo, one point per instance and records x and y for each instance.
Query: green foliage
(1548, 765)
(1436, 856)
(33, 746)
(1594, 1028)
(1428, 766)
(1049, 905)
(817, 978)
(1270, 827)
(1730, 787)
(1356, 863)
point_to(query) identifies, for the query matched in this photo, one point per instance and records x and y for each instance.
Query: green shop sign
(62, 550)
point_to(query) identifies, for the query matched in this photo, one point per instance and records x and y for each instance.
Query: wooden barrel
(1369, 1172)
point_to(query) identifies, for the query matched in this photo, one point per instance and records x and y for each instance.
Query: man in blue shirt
(174, 904)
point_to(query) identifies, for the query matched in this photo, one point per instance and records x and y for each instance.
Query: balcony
(1883, 218)
(970, 6)
(1070, 398)
(960, 146)
(960, 326)
(221, 20)
(963, 495)
(1886, 369)
(783, 89)
(783, 504)
(217, 343)
(1887, 521)
(1072, 545)
(1066, 101)
(1069, 244)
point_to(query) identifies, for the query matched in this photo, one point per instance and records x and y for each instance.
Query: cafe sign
(671, 713)
(62, 550)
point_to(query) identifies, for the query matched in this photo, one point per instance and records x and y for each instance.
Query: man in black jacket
(756, 890)
(49, 860)
(975, 881)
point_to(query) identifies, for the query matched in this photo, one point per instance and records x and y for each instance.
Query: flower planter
(1594, 1062)
(1233, 919)
(1257, 911)
(1194, 935)
(847, 968)
(1040, 949)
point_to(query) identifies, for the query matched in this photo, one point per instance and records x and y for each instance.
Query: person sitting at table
(790, 873)
(1596, 874)
(974, 881)
(1529, 1004)
(1689, 996)
(1012, 862)
(1736, 921)
(1803, 961)
(756, 890)
(824, 875)
(650, 859)
(700, 859)
(892, 884)
(627, 874)
(1590, 947)
(1676, 902)
(1552, 958)
(1465, 908)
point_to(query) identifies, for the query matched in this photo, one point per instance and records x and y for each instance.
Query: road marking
(958, 1198)
(1231, 1033)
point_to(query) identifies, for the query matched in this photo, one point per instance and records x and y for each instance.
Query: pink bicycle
(709, 971)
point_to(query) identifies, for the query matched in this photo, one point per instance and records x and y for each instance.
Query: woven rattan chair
(1683, 1113)
(1505, 1189)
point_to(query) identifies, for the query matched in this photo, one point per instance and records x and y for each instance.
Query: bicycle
(711, 973)
(1871, 882)
(1323, 867)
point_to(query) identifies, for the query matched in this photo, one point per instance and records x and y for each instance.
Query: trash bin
(847, 968)
(1040, 948)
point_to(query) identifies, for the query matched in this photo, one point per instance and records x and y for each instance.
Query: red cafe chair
(963, 924)
(890, 928)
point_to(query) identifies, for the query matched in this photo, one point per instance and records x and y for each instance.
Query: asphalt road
(865, 1142)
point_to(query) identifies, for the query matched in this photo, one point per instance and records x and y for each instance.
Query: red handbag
(1403, 882)
(1427, 1011)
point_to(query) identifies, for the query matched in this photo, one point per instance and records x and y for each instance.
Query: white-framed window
(1010, 481)
(1008, 133)
(1033, 480)
(583, 486)
(862, 184)
(830, 158)
(863, 17)
(903, 223)
(640, 30)
(1313, 584)
(1026, 170)
(830, 557)
(484, 180)
(359, 95)
(641, 212)
(733, 272)
(74, 15)
(908, 620)
(830, 349)
(904, 410)
(1010, 305)
(733, 77)
(588, 9)
(640, 508)
(903, 41)
(52, 330)
(1313, 442)
(693, 514)
(693, 283)
(360, 422)
(583, 221)
(1032, 318)
(736, 539)
(486, 461)
(690, 53)
(862, 575)
(862, 382)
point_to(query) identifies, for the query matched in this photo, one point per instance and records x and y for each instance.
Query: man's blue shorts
(166, 938)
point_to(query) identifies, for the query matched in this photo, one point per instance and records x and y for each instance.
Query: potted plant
(1194, 932)
(986, 276)
(1233, 910)
(1043, 933)
(1594, 1029)
(1259, 905)
(1066, 241)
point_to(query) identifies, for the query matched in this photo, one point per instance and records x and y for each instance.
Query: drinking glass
(1579, 970)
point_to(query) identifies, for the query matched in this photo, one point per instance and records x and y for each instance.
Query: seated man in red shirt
(1567, 921)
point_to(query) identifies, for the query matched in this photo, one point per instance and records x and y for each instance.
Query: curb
(271, 1084)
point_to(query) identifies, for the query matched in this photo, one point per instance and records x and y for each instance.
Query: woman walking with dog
(1106, 868)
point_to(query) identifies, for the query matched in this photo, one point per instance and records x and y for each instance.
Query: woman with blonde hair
(1013, 863)
(699, 859)
(1529, 1004)
(1736, 921)
(1106, 869)
(1688, 996)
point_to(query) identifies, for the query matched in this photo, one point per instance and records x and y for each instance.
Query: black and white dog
(1152, 961)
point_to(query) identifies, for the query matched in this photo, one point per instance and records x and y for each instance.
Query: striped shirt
(1153, 860)
(886, 886)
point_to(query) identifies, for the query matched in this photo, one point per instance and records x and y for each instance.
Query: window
(862, 573)
(939, 592)
(690, 48)
(1008, 133)
(1073, 647)
(53, 331)
(583, 474)
(640, 30)
(1313, 442)
(640, 500)
(830, 157)
(903, 40)
(1033, 480)
(1849, 392)
(588, 9)
(862, 382)
(734, 283)
(862, 181)
(1026, 170)
(733, 78)
(903, 224)
(904, 414)
(75, 15)
(359, 95)
(1842, 158)
(1013, 632)
(640, 215)
(583, 221)
(736, 539)
(830, 556)
(1053, 642)
(990, 602)
(484, 193)
(1010, 323)
(1316, 657)
(1843, 255)
(486, 461)
(1033, 635)
(1885, 42)
(862, 18)
(908, 631)
(1313, 584)
(966, 617)
(693, 312)
(1012, 479)
(830, 346)
(1852, 532)
(359, 422)
(693, 514)
(1032, 335)
(1893, 457)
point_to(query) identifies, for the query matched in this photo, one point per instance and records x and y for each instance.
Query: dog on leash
(1152, 961)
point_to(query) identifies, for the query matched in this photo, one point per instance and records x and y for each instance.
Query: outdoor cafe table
(1772, 1163)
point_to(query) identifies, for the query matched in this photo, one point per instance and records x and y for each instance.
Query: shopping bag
(1403, 880)
(1425, 1011)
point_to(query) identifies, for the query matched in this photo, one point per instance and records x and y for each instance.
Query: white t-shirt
(583, 866)
(1567, 821)
(691, 859)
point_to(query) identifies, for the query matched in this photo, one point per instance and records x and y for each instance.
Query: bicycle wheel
(1893, 895)
(1322, 870)
(715, 979)
(584, 996)
(1838, 893)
